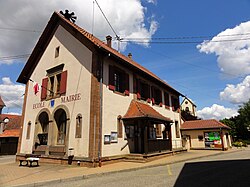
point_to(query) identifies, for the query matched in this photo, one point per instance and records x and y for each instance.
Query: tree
(230, 122)
(240, 124)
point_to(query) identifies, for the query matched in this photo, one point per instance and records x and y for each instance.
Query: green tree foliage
(240, 124)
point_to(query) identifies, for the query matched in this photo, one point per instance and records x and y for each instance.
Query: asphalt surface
(227, 170)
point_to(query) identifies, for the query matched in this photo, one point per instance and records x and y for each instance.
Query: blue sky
(195, 72)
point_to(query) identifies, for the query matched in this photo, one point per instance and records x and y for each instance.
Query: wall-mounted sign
(64, 99)
(38, 105)
(107, 139)
(114, 137)
(212, 139)
(70, 98)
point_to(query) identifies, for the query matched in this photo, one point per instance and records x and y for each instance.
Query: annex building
(94, 102)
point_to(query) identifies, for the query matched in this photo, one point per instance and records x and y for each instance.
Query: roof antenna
(69, 16)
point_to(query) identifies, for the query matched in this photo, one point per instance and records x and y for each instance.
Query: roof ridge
(99, 42)
(139, 108)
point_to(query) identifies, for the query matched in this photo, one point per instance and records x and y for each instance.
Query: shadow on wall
(215, 173)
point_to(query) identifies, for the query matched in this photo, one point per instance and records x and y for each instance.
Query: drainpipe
(100, 128)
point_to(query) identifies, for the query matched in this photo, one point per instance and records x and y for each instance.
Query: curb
(88, 176)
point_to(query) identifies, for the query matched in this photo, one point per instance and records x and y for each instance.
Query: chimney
(109, 39)
(130, 55)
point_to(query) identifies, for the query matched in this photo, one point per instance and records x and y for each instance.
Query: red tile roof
(10, 133)
(1, 102)
(50, 29)
(203, 124)
(141, 110)
(14, 121)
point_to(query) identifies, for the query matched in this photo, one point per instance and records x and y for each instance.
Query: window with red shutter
(44, 88)
(118, 80)
(55, 84)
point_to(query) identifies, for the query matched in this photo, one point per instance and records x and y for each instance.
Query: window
(58, 82)
(143, 90)
(78, 126)
(200, 137)
(28, 130)
(118, 80)
(175, 103)
(55, 84)
(152, 133)
(166, 99)
(156, 96)
(57, 52)
(51, 86)
(119, 126)
(177, 130)
(158, 131)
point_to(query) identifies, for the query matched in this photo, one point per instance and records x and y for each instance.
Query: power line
(11, 101)
(185, 42)
(14, 57)
(18, 29)
(117, 37)
(186, 37)
(188, 63)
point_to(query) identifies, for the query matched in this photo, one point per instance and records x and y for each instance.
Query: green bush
(240, 144)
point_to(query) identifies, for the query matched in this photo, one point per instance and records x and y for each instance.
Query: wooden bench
(29, 160)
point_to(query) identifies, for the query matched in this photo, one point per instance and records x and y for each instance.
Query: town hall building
(85, 99)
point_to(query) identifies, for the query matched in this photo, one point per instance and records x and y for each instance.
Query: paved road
(231, 169)
(5, 159)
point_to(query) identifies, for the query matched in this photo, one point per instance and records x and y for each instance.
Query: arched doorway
(61, 124)
(44, 128)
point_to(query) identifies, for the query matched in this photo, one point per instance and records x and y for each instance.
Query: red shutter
(63, 84)
(44, 88)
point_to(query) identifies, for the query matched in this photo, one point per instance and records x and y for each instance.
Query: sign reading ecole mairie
(64, 99)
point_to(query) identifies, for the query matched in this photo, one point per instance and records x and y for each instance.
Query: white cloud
(6, 81)
(216, 112)
(127, 18)
(233, 57)
(12, 94)
(237, 94)
(152, 1)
